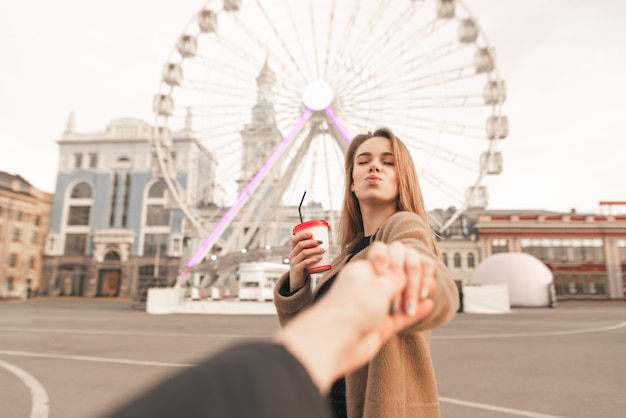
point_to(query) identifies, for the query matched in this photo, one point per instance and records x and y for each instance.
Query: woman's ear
(352, 187)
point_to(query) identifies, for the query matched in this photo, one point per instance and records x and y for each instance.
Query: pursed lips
(372, 179)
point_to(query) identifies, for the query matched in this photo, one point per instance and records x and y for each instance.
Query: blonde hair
(409, 193)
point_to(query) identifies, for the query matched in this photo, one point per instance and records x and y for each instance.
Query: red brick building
(585, 252)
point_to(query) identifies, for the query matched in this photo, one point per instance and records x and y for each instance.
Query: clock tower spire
(261, 135)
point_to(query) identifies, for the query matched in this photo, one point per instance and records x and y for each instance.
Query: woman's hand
(305, 251)
(350, 324)
(418, 271)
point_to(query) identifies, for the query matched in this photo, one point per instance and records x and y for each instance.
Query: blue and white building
(113, 229)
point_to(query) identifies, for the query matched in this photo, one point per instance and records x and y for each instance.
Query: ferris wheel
(275, 90)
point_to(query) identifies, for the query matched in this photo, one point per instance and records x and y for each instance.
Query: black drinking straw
(300, 207)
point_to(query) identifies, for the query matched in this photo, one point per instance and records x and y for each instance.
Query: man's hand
(382, 296)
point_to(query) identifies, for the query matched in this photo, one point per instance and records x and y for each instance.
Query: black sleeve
(260, 380)
(285, 290)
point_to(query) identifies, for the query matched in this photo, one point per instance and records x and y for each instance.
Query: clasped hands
(369, 302)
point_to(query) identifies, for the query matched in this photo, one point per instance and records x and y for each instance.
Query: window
(10, 283)
(157, 216)
(16, 234)
(79, 215)
(157, 189)
(156, 213)
(31, 262)
(250, 284)
(35, 238)
(81, 191)
(471, 262)
(18, 215)
(93, 160)
(560, 253)
(126, 201)
(154, 243)
(535, 247)
(113, 200)
(457, 260)
(146, 271)
(75, 244)
(13, 260)
(588, 250)
(499, 246)
(37, 220)
(78, 160)
(112, 256)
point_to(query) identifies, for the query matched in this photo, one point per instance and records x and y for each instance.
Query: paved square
(71, 358)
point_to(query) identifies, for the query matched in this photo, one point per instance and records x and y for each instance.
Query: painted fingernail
(424, 293)
(393, 309)
(410, 307)
(320, 242)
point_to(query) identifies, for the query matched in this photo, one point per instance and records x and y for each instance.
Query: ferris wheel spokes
(223, 223)
(256, 215)
(425, 69)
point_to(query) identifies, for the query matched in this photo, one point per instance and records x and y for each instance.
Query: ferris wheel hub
(318, 95)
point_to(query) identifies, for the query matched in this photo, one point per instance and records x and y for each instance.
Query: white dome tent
(528, 280)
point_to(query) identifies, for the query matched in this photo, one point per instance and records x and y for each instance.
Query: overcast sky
(564, 62)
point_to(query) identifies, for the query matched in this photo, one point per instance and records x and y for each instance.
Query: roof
(7, 180)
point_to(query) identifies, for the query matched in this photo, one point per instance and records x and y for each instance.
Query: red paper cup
(319, 228)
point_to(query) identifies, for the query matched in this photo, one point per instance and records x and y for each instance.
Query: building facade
(458, 244)
(24, 213)
(113, 230)
(585, 252)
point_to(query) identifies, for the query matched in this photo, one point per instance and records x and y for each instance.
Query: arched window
(444, 257)
(79, 210)
(81, 191)
(157, 221)
(78, 219)
(112, 256)
(470, 260)
(157, 189)
(457, 260)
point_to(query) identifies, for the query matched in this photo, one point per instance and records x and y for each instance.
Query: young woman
(305, 357)
(382, 202)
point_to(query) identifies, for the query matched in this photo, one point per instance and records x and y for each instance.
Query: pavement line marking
(511, 411)
(95, 359)
(174, 334)
(137, 333)
(40, 397)
(40, 408)
(530, 334)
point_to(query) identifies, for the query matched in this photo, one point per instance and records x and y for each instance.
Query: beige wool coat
(400, 380)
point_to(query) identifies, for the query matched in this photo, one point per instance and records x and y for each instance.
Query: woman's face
(374, 175)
